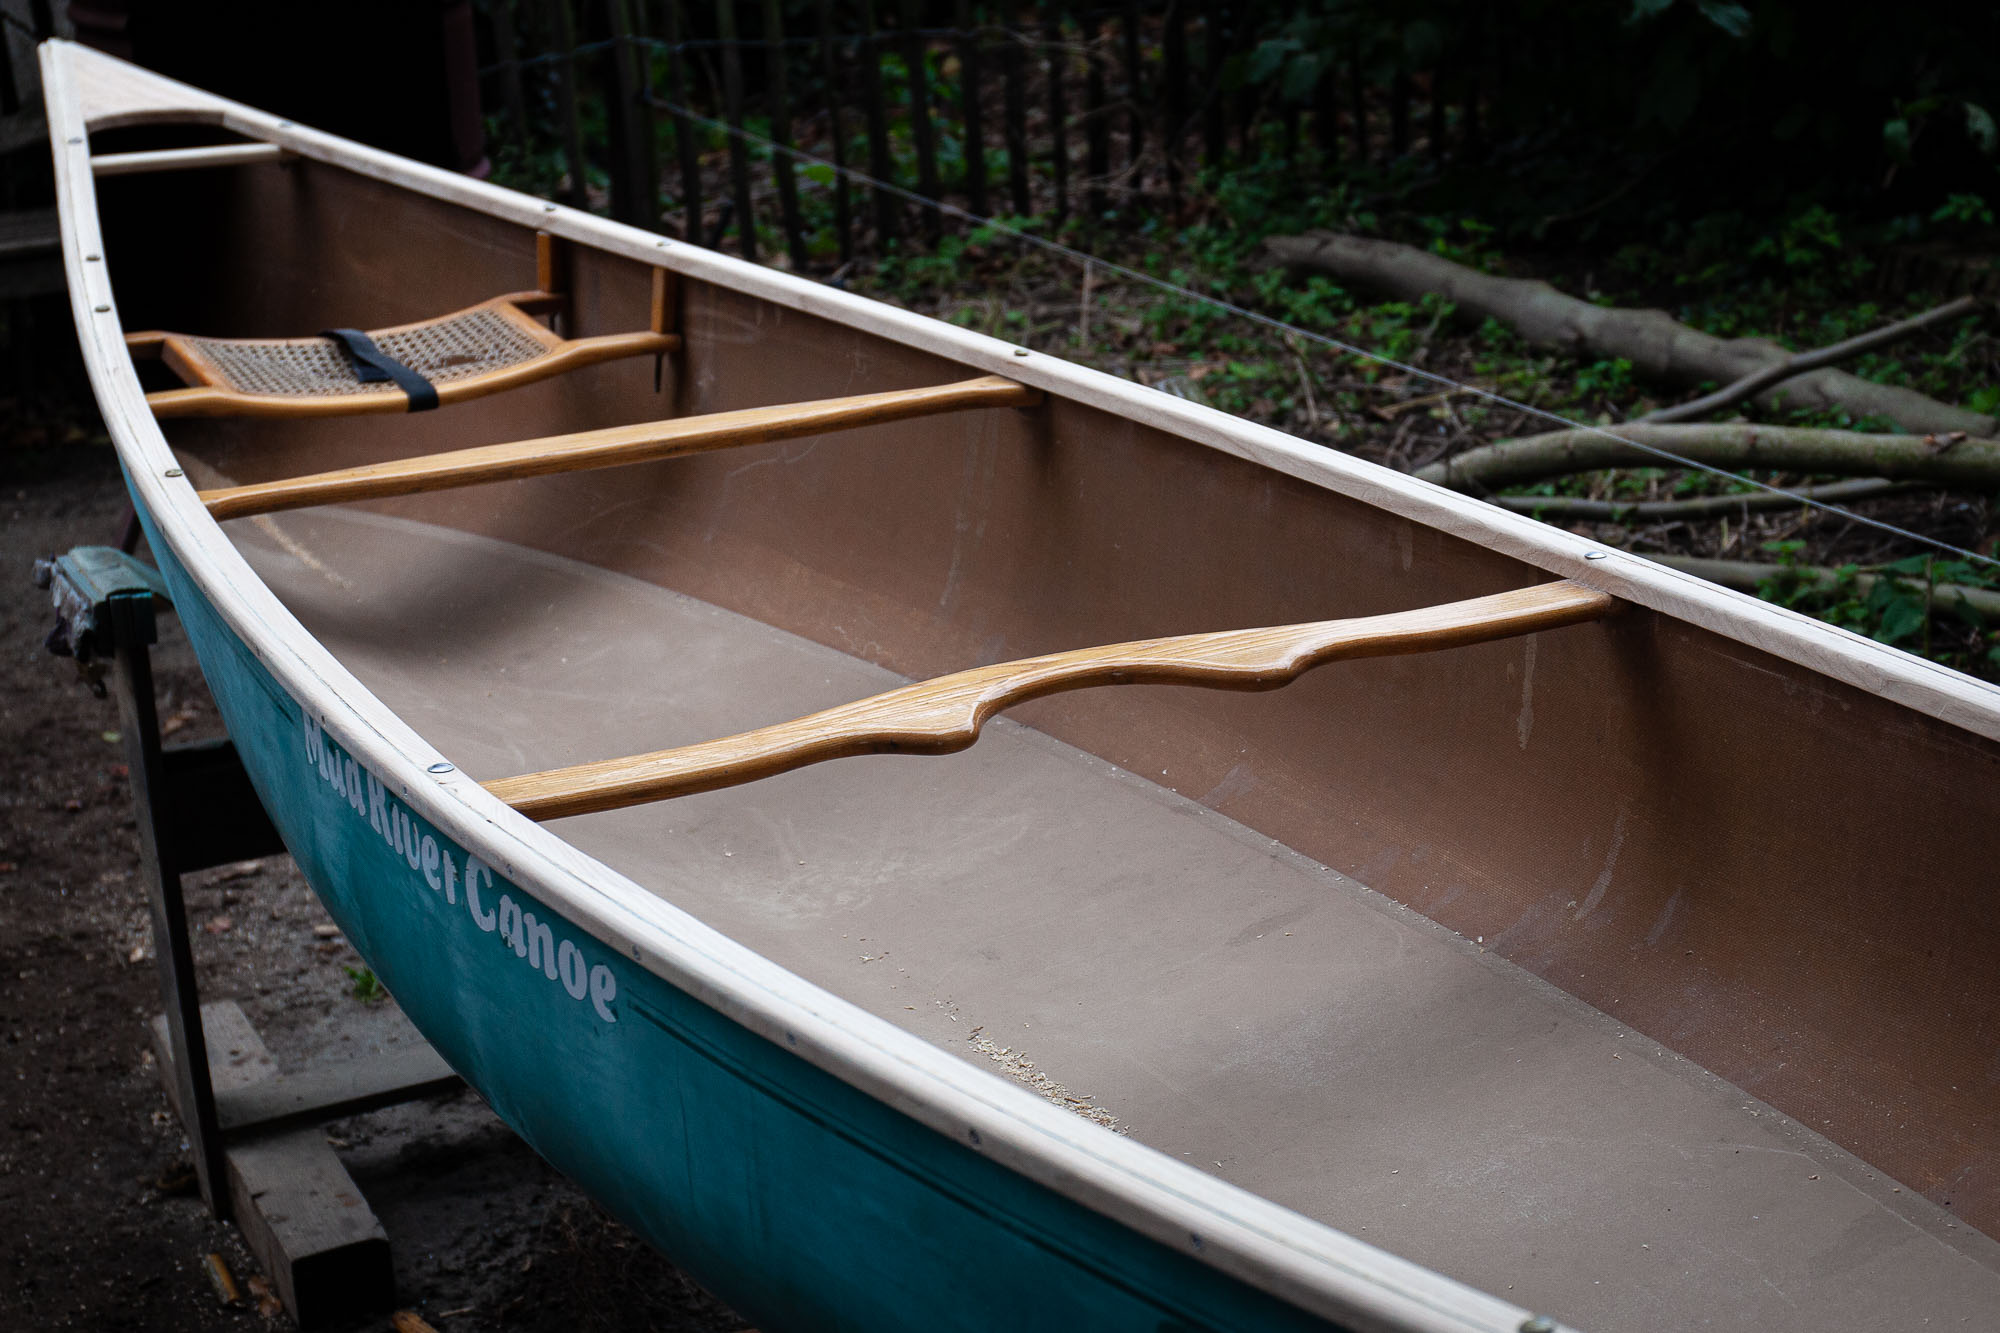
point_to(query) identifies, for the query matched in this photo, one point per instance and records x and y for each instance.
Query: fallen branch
(1747, 575)
(1567, 509)
(1752, 385)
(1949, 460)
(1656, 344)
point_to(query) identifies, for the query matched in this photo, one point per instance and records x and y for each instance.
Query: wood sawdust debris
(1023, 1069)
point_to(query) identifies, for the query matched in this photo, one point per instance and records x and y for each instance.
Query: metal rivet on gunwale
(548, 208)
(1020, 351)
(1540, 1323)
(76, 138)
(440, 767)
(102, 309)
(173, 472)
(284, 124)
(1597, 555)
(93, 259)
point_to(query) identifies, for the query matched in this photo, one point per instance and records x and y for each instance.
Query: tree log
(1950, 461)
(1746, 575)
(1792, 366)
(1657, 345)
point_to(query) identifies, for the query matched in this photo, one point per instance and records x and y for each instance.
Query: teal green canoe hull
(799, 1199)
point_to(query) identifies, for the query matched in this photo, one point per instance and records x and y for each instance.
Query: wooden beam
(613, 447)
(945, 715)
(187, 159)
(299, 1211)
(335, 1091)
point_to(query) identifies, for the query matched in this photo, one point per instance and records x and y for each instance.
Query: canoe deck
(1227, 1000)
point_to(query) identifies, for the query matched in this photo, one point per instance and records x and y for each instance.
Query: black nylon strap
(372, 365)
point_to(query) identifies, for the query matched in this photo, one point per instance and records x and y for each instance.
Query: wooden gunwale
(1214, 1223)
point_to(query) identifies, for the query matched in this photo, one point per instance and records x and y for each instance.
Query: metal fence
(1100, 115)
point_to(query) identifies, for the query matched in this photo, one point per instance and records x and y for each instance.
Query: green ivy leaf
(1980, 129)
(1727, 15)
(1268, 56)
(1896, 138)
(1901, 618)
(1302, 75)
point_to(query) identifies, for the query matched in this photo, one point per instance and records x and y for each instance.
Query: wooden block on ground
(300, 1212)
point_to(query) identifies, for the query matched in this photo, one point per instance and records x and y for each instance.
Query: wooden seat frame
(211, 395)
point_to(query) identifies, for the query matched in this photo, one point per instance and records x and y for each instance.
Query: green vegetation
(365, 986)
(1859, 192)
(1900, 605)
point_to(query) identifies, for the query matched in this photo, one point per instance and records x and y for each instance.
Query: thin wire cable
(1325, 340)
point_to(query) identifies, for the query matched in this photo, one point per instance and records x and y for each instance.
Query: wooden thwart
(945, 715)
(612, 447)
(186, 159)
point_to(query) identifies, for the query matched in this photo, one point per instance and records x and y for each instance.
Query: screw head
(548, 208)
(284, 124)
(102, 309)
(93, 259)
(76, 138)
(440, 767)
(1597, 555)
(1540, 1323)
(173, 472)
(1020, 351)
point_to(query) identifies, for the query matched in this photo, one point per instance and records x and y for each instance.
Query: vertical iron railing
(942, 87)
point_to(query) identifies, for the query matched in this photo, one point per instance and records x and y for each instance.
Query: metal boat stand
(259, 1155)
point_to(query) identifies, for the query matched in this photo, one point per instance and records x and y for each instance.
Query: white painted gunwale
(1300, 1260)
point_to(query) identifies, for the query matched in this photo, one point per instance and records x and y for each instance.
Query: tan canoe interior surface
(1689, 882)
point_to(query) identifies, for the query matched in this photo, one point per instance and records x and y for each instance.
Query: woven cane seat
(459, 346)
(486, 348)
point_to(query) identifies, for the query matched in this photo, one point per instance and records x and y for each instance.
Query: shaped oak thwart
(944, 715)
(612, 447)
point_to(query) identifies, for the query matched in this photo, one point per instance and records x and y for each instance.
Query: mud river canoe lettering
(432, 862)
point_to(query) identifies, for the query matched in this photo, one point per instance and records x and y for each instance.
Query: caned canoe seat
(495, 345)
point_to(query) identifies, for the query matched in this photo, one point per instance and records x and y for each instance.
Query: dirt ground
(104, 1229)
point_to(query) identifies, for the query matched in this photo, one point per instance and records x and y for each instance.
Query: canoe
(1461, 927)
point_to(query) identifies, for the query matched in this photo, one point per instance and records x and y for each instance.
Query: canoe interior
(1739, 874)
